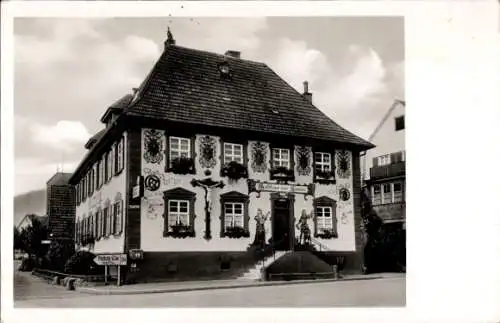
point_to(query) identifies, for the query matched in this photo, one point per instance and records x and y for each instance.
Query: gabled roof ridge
(386, 116)
(316, 108)
(221, 55)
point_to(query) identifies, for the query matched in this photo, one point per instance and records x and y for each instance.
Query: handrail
(321, 246)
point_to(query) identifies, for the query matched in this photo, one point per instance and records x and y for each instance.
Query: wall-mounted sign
(136, 254)
(138, 189)
(257, 186)
(111, 260)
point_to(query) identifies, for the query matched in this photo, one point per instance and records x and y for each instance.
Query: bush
(82, 263)
(28, 264)
(59, 253)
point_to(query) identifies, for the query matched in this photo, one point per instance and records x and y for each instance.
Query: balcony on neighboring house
(387, 171)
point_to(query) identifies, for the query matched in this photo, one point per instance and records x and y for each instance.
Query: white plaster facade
(153, 208)
(108, 193)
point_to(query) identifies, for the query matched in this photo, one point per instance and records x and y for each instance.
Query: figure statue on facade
(305, 231)
(260, 231)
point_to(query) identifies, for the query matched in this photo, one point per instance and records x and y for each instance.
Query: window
(105, 222)
(397, 157)
(387, 195)
(179, 209)
(281, 157)
(323, 162)
(118, 217)
(84, 188)
(120, 156)
(234, 214)
(110, 165)
(399, 123)
(99, 224)
(397, 190)
(92, 181)
(325, 219)
(103, 170)
(233, 152)
(178, 213)
(179, 148)
(382, 160)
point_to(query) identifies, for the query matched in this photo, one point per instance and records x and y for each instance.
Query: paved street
(32, 292)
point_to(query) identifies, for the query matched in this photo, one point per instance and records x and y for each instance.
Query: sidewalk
(173, 287)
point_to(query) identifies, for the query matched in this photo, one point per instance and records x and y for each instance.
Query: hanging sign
(138, 189)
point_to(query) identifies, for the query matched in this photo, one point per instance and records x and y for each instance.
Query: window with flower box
(234, 216)
(325, 218)
(323, 167)
(282, 164)
(179, 214)
(234, 160)
(180, 155)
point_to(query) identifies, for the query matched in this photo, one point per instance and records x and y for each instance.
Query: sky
(67, 72)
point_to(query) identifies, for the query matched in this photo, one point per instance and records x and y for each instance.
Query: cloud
(64, 134)
(33, 173)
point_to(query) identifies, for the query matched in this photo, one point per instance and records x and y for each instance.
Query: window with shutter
(118, 217)
(120, 155)
(325, 218)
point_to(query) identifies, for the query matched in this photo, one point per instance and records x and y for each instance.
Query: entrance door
(282, 236)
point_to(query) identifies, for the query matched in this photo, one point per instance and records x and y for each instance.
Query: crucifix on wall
(208, 186)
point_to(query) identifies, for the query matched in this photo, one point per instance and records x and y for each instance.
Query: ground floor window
(387, 193)
(234, 215)
(179, 213)
(325, 218)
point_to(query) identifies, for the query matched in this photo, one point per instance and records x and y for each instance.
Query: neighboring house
(207, 143)
(28, 218)
(384, 167)
(61, 207)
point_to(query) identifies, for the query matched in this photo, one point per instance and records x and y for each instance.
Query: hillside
(31, 202)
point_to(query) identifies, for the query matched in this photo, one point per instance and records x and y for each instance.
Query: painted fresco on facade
(207, 164)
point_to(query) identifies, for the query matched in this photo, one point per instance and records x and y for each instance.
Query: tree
(18, 241)
(33, 235)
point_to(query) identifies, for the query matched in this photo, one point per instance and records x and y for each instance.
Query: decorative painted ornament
(343, 164)
(303, 155)
(259, 156)
(344, 194)
(207, 149)
(153, 146)
(152, 183)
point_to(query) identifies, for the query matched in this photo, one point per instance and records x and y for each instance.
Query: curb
(95, 291)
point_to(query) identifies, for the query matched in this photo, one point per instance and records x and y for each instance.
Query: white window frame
(281, 161)
(230, 155)
(233, 215)
(178, 150)
(323, 222)
(323, 165)
(178, 213)
(384, 160)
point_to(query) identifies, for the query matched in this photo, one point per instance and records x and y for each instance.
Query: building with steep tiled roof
(211, 158)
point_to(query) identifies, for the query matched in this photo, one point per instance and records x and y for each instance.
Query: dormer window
(224, 70)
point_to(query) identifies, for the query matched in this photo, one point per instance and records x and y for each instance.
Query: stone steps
(254, 273)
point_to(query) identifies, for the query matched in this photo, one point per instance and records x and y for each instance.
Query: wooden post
(118, 282)
(105, 274)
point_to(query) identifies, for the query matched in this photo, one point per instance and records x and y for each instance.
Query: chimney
(233, 54)
(170, 39)
(306, 94)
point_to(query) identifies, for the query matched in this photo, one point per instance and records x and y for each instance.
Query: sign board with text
(111, 260)
(257, 186)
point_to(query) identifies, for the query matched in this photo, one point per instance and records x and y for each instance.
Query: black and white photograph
(232, 161)
(209, 153)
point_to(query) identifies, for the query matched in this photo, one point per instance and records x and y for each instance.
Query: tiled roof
(185, 86)
(59, 179)
(95, 138)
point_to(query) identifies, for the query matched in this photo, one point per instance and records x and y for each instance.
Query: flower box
(180, 231)
(282, 173)
(327, 234)
(182, 166)
(236, 232)
(326, 177)
(234, 171)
